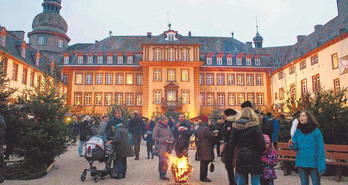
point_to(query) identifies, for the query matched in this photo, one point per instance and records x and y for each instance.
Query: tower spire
(258, 38)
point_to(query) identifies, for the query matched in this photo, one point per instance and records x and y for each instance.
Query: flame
(181, 168)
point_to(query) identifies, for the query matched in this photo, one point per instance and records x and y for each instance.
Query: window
(2, 40)
(231, 99)
(108, 98)
(293, 93)
(157, 97)
(240, 79)
(157, 54)
(259, 98)
(78, 98)
(23, 52)
(80, 59)
(109, 60)
(171, 75)
(89, 79)
(119, 98)
(210, 99)
(209, 60)
(250, 79)
(88, 98)
(119, 78)
(302, 65)
(334, 60)
(37, 60)
(239, 61)
(221, 99)
(210, 79)
(129, 59)
(251, 97)
(99, 79)
(65, 78)
(257, 61)
(24, 76)
(280, 75)
(241, 98)
(292, 69)
(98, 99)
(100, 60)
(281, 93)
(66, 59)
(78, 78)
(202, 99)
(219, 60)
(139, 79)
(201, 79)
(139, 100)
(230, 79)
(229, 60)
(14, 72)
(157, 73)
(259, 79)
(314, 59)
(276, 96)
(120, 59)
(171, 54)
(316, 82)
(32, 74)
(185, 96)
(41, 41)
(185, 55)
(5, 60)
(303, 87)
(38, 83)
(248, 61)
(129, 79)
(108, 79)
(220, 79)
(90, 59)
(60, 43)
(337, 86)
(185, 75)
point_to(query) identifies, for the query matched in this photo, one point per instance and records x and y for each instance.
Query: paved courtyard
(69, 167)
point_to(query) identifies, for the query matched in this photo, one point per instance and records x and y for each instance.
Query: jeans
(242, 179)
(121, 165)
(163, 165)
(79, 150)
(305, 172)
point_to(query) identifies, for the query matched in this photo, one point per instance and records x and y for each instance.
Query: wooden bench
(336, 155)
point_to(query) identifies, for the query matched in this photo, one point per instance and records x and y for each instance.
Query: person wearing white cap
(137, 129)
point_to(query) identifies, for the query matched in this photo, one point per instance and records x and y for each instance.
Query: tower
(49, 30)
(257, 39)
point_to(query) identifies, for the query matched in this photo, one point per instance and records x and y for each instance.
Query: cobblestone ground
(69, 167)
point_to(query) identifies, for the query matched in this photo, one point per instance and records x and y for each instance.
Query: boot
(136, 156)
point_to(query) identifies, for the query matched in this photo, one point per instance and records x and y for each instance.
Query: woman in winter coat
(246, 135)
(123, 149)
(163, 137)
(205, 147)
(309, 144)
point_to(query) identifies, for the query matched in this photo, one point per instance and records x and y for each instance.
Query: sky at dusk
(280, 21)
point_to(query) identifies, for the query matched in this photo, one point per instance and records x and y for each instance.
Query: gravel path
(69, 167)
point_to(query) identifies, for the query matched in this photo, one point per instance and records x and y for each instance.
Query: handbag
(156, 150)
(212, 167)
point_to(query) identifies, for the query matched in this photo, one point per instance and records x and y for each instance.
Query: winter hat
(229, 112)
(267, 140)
(246, 104)
(205, 118)
(87, 118)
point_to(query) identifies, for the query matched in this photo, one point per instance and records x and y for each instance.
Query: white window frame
(230, 79)
(98, 99)
(171, 54)
(66, 59)
(259, 79)
(78, 98)
(2, 40)
(60, 43)
(90, 60)
(229, 61)
(89, 79)
(80, 59)
(78, 79)
(210, 79)
(171, 75)
(220, 79)
(257, 61)
(119, 78)
(23, 52)
(129, 99)
(231, 99)
(221, 99)
(185, 75)
(130, 60)
(157, 75)
(185, 55)
(108, 79)
(248, 61)
(239, 61)
(119, 99)
(157, 97)
(201, 79)
(88, 99)
(219, 60)
(210, 99)
(100, 60)
(109, 59)
(99, 79)
(250, 79)
(120, 59)
(209, 60)
(129, 79)
(260, 99)
(41, 41)
(158, 54)
(108, 98)
(185, 97)
(139, 79)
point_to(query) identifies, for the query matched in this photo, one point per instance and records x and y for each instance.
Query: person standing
(76, 128)
(2, 143)
(266, 125)
(217, 129)
(102, 125)
(205, 147)
(109, 132)
(269, 161)
(163, 137)
(182, 133)
(276, 129)
(309, 144)
(83, 134)
(123, 149)
(137, 129)
(246, 135)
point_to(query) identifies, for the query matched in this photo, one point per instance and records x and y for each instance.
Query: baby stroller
(96, 151)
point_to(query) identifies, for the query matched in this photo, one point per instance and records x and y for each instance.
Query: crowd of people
(246, 141)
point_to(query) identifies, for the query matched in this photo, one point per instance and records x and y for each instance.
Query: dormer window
(37, 59)
(171, 36)
(229, 60)
(120, 59)
(109, 60)
(209, 60)
(60, 43)
(90, 59)
(100, 60)
(248, 61)
(157, 54)
(129, 59)
(185, 55)
(66, 59)
(3, 37)
(24, 47)
(41, 41)
(219, 60)
(80, 59)
(239, 61)
(257, 61)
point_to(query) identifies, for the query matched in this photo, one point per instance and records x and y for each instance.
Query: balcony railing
(175, 104)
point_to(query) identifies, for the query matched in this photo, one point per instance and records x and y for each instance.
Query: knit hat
(246, 104)
(205, 118)
(229, 112)
(267, 140)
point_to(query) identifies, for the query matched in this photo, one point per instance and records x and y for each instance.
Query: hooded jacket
(205, 142)
(247, 137)
(121, 142)
(161, 133)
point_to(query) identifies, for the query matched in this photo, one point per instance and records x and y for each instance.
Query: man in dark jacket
(274, 122)
(182, 133)
(123, 149)
(2, 142)
(112, 123)
(266, 125)
(137, 129)
(87, 130)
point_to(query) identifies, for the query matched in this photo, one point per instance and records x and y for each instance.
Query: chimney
(249, 45)
(300, 38)
(342, 6)
(317, 27)
(96, 41)
(189, 34)
(19, 34)
(149, 34)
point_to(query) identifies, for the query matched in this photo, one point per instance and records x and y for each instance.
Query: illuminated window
(302, 65)
(90, 59)
(334, 60)
(108, 79)
(139, 100)
(259, 98)
(250, 79)
(171, 75)
(250, 97)
(210, 99)
(209, 60)
(157, 75)
(240, 79)
(202, 99)
(157, 54)
(78, 99)
(229, 60)
(171, 95)
(88, 98)
(98, 99)
(316, 82)
(221, 99)
(220, 79)
(139, 79)
(14, 72)
(303, 87)
(120, 59)
(185, 96)
(130, 80)
(230, 79)
(259, 79)
(109, 59)
(231, 99)
(171, 54)
(129, 99)
(281, 93)
(108, 98)
(119, 79)
(241, 98)
(185, 55)
(78, 78)
(314, 59)
(89, 79)
(32, 79)
(99, 79)
(337, 86)
(24, 76)
(210, 79)
(185, 75)
(80, 59)
(157, 97)
(119, 99)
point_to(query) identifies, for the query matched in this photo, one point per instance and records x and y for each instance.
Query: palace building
(187, 73)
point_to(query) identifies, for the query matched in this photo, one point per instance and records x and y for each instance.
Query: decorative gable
(171, 35)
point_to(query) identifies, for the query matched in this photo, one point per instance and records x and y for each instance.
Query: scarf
(306, 128)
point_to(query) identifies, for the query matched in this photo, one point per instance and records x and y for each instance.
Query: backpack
(267, 127)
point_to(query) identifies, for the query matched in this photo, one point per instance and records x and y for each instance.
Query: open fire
(181, 169)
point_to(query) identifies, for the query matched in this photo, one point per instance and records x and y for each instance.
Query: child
(149, 144)
(269, 160)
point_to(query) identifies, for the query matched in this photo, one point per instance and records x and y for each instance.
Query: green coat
(121, 142)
